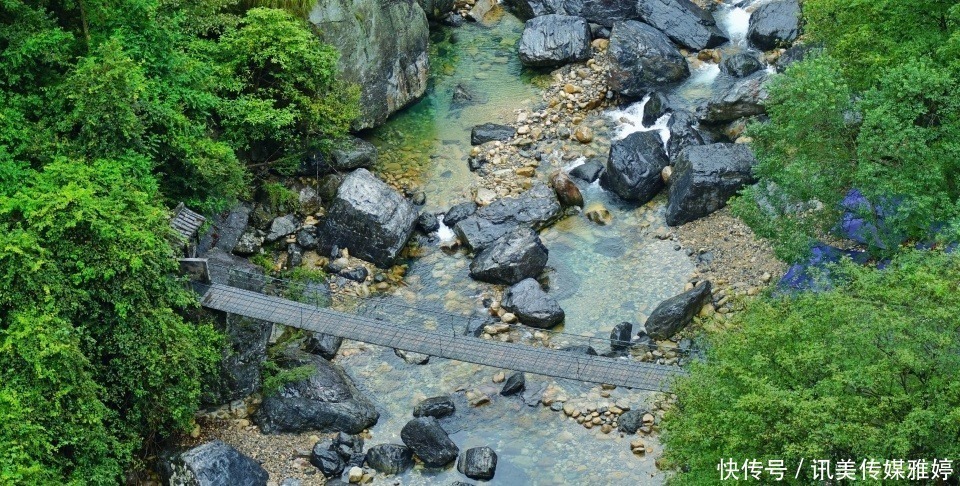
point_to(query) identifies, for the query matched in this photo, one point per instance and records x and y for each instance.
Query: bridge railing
(385, 307)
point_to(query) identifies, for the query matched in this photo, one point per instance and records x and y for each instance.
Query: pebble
(355, 474)
(509, 318)
(499, 377)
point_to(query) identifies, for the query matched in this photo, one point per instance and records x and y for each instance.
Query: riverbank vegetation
(865, 367)
(110, 112)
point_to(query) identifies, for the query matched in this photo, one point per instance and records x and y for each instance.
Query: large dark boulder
(370, 218)
(643, 59)
(243, 353)
(741, 64)
(554, 40)
(478, 463)
(436, 407)
(620, 336)
(214, 464)
(704, 177)
(774, 24)
(429, 442)
(737, 98)
(517, 255)
(601, 12)
(633, 170)
(490, 132)
(514, 384)
(683, 21)
(683, 132)
(630, 421)
(656, 106)
(325, 457)
(675, 313)
(390, 458)
(532, 305)
(326, 401)
(383, 50)
(588, 171)
(535, 208)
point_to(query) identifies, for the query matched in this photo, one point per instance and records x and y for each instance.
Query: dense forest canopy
(112, 111)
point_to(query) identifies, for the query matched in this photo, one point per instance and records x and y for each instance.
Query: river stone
(350, 449)
(491, 132)
(326, 401)
(675, 313)
(580, 349)
(737, 98)
(354, 154)
(325, 345)
(214, 464)
(370, 218)
(554, 40)
(514, 384)
(383, 50)
(741, 64)
(620, 336)
(534, 208)
(436, 407)
(478, 463)
(243, 353)
(429, 442)
(683, 132)
(704, 177)
(282, 226)
(459, 212)
(567, 192)
(517, 255)
(588, 171)
(643, 59)
(390, 458)
(307, 238)
(774, 24)
(655, 107)
(411, 357)
(633, 170)
(601, 12)
(532, 305)
(428, 222)
(683, 21)
(629, 422)
(325, 458)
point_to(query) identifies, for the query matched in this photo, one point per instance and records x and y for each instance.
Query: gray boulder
(214, 464)
(517, 255)
(535, 208)
(325, 345)
(683, 21)
(249, 242)
(324, 457)
(437, 407)
(633, 170)
(243, 353)
(737, 99)
(643, 59)
(554, 40)
(675, 313)
(741, 64)
(683, 132)
(370, 218)
(532, 305)
(704, 177)
(514, 384)
(326, 401)
(390, 458)
(478, 463)
(282, 226)
(429, 442)
(600, 12)
(589, 171)
(353, 154)
(774, 24)
(383, 49)
(630, 421)
(491, 132)
(797, 53)
(459, 212)
(307, 238)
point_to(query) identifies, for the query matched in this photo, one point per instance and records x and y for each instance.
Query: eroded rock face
(683, 21)
(554, 40)
(370, 218)
(704, 177)
(383, 49)
(515, 256)
(675, 313)
(633, 171)
(774, 24)
(326, 401)
(683, 132)
(643, 59)
(437, 407)
(214, 464)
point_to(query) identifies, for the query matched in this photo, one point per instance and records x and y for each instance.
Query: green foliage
(280, 198)
(867, 370)
(275, 377)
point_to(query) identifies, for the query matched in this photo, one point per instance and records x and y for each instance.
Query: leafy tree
(867, 370)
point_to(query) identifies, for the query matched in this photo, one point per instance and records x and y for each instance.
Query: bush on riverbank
(867, 370)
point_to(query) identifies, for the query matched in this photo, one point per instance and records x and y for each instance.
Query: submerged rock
(633, 171)
(741, 64)
(532, 305)
(554, 40)
(383, 49)
(478, 463)
(675, 313)
(580, 349)
(514, 384)
(655, 107)
(774, 24)
(412, 358)
(643, 59)
(535, 208)
(429, 442)
(214, 464)
(243, 353)
(517, 255)
(326, 401)
(370, 218)
(683, 21)
(491, 132)
(437, 407)
(390, 458)
(704, 177)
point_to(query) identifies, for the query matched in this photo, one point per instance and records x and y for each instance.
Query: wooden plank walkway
(518, 357)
